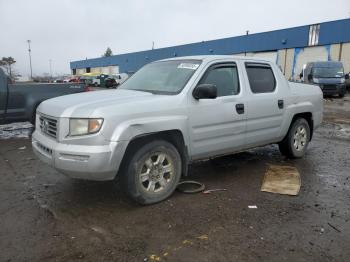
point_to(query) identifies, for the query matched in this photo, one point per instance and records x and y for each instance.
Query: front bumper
(80, 161)
(333, 89)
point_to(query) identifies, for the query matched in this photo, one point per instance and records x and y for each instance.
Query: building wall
(292, 60)
(345, 56)
(81, 71)
(108, 70)
(95, 70)
(288, 48)
(303, 56)
(335, 52)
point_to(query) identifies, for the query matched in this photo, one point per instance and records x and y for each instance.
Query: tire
(145, 179)
(295, 143)
(341, 95)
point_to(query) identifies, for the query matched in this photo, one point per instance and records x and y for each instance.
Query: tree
(108, 52)
(7, 63)
(2, 63)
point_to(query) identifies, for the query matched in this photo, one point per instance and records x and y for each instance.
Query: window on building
(261, 78)
(88, 70)
(74, 71)
(224, 77)
(314, 33)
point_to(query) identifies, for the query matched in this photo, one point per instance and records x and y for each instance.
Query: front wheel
(151, 172)
(295, 143)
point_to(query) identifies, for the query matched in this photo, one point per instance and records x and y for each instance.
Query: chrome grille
(48, 126)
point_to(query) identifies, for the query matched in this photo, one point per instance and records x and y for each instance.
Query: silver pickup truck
(171, 113)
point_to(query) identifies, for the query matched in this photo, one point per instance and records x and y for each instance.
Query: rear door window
(261, 77)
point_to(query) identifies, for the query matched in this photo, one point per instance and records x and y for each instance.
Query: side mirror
(347, 76)
(309, 77)
(205, 91)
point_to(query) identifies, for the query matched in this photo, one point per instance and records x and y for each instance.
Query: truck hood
(85, 104)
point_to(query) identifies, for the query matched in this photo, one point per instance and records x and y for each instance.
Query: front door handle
(280, 104)
(240, 108)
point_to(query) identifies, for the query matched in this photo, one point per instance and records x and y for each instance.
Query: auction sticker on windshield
(188, 66)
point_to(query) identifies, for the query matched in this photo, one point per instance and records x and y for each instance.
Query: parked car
(347, 81)
(115, 80)
(87, 80)
(99, 80)
(171, 113)
(74, 80)
(18, 102)
(111, 82)
(328, 75)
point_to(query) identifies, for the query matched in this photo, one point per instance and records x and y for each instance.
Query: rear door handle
(240, 108)
(280, 104)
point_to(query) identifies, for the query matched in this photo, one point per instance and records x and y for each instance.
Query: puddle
(335, 130)
(343, 131)
(16, 130)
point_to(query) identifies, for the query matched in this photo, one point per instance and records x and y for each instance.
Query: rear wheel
(295, 143)
(151, 172)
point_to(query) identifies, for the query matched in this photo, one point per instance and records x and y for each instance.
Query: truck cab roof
(209, 58)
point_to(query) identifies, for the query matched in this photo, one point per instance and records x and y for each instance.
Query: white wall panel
(271, 56)
(345, 56)
(95, 70)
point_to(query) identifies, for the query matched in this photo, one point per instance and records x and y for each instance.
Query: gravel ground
(45, 216)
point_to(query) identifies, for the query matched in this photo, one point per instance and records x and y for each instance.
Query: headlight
(84, 126)
(342, 80)
(316, 80)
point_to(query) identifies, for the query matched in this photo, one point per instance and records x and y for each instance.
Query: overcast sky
(68, 30)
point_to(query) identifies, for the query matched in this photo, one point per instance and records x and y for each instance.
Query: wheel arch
(308, 117)
(173, 136)
(32, 104)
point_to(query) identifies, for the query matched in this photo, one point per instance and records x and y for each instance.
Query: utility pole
(30, 60)
(50, 62)
(152, 45)
(246, 33)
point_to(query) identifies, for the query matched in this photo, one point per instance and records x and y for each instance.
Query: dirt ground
(45, 216)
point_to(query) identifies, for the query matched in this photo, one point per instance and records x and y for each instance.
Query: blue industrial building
(288, 47)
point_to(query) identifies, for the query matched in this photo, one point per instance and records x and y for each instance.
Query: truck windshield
(164, 77)
(328, 72)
